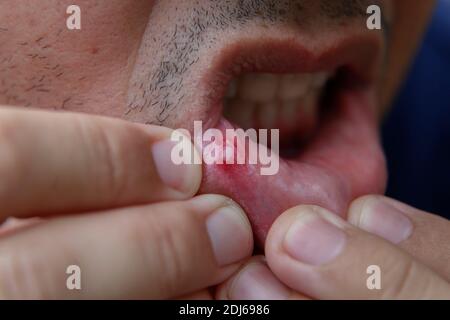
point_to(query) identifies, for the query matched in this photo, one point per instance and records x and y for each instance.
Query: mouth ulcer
(330, 151)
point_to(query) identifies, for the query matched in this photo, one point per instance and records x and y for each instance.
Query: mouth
(323, 102)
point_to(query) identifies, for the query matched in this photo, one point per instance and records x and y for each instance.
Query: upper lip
(359, 54)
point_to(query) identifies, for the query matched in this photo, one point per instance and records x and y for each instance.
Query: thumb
(423, 235)
(322, 256)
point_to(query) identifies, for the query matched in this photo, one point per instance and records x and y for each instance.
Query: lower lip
(342, 162)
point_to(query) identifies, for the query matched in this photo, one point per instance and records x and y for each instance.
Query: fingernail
(180, 177)
(313, 240)
(256, 282)
(230, 234)
(383, 219)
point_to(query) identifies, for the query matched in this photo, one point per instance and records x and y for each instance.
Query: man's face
(326, 79)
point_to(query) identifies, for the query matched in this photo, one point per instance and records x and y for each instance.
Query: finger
(61, 162)
(424, 235)
(199, 295)
(156, 251)
(255, 281)
(11, 225)
(317, 253)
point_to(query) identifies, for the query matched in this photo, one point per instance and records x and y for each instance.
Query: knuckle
(21, 277)
(402, 279)
(105, 155)
(162, 249)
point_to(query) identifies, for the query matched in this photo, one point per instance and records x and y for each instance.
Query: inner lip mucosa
(323, 106)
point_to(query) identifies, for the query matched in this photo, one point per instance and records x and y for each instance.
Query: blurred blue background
(416, 134)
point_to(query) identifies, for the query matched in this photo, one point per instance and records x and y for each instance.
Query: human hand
(133, 228)
(312, 253)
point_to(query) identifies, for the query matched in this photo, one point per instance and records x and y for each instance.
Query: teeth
(267, 115)
(259, 87)
(310, 102)
(289, 111)
(320, 79)
(271, 100)
(241, 111)
(294, 86)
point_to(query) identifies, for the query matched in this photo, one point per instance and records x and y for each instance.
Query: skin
(409, 268)
(113, 67)
(40, 61)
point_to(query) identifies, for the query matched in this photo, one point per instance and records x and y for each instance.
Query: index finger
(63, 162)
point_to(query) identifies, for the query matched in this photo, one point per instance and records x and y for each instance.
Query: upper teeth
(272, 99)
